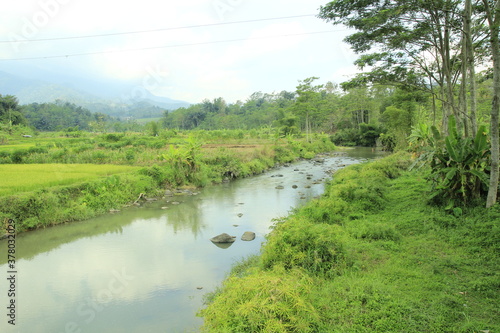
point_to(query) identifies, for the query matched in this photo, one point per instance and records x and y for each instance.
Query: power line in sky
(156, 30)
(169, 46)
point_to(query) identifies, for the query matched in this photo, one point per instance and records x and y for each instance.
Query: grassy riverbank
(369, 256)
(65, 192)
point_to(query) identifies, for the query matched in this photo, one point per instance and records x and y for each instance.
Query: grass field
(28, 177)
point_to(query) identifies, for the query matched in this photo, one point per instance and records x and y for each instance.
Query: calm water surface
(146, 269)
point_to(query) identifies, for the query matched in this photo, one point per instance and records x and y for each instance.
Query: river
(146, 269)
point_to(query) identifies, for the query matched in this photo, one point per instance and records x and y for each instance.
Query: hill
(112, 98)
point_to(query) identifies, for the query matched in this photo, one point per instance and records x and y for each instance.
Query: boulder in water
(223, 238)
(248, 236)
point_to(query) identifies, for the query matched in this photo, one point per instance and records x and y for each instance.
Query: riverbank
(188, 165)
(369, 256)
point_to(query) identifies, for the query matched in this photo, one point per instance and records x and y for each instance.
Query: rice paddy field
(16, 178)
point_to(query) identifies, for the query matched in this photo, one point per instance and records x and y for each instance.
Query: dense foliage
(10, 111)
(62, 115)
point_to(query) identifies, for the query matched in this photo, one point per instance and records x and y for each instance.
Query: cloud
(232, 70)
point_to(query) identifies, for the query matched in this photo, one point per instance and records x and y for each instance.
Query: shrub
(331, 211)
(158, 174)
(317, 248)
(459, 168)
(112, 137)
(270, 301)
(18, 155)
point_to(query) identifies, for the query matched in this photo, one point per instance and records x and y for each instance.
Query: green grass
(29, 177)
(372, 256)
(12, 147)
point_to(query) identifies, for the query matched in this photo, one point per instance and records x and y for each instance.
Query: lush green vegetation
(369, 256)
(385, 249)
(404, 44)
(29, 177)
(57, 177)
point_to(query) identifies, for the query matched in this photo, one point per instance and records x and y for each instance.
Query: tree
(10, 111)
(427, 44)
(308, 101)
(415, 44)
(492, 10)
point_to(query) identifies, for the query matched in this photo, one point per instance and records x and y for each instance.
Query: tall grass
(373, 256)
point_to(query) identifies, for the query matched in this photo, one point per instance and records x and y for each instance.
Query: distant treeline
(62, 115)
(359, 116)
(59, 116)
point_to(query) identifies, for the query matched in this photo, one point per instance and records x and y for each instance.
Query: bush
(112, 137)
(459, 168)
(317, 248)
(331, 211)
(18, 155)
(270, 301)
(366, 136)
(158, 174)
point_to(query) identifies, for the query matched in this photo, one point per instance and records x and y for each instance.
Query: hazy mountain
(107, 97)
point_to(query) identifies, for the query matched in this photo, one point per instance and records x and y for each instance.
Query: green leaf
(480, 141)
(436, 135)
(451, 173)
(481, 175)
(450, 149)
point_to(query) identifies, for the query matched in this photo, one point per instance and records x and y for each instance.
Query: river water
(146, 269)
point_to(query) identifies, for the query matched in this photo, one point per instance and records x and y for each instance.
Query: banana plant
(459, 167)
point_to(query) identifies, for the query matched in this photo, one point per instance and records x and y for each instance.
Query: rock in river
(248, 236)
(223, 238)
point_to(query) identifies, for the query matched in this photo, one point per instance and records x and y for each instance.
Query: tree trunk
(447, 67)
(307, 127)
(471, 66)
(463, 86)
(493, 15)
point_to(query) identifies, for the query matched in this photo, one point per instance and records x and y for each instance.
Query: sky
(192, 50)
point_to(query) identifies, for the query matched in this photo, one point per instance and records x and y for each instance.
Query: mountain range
(113, 97)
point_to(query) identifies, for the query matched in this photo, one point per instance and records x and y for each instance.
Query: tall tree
(10, 111)
(492, 10)
(470, 64)
(414, 42)
(308, 100)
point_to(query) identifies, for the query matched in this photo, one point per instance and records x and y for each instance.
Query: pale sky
(185, 63)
